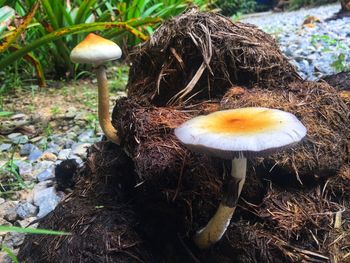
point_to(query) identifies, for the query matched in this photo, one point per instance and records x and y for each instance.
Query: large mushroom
(97, 51)
(237, 134)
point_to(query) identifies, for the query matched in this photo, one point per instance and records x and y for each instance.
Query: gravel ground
(317, 49)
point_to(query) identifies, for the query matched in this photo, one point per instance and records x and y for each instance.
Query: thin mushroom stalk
(97, 50)
(218, 224)
(103, 106)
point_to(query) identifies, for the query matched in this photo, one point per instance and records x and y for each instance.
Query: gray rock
(71, 113)
(80, 149)
(27, 149)
(35, 155)
(26, 209)
(25, 169)
(13, 135)
(47, 174)
(2, 200)
(8, 209)
(13, 239)
(21, 139)
(3, 222)
(63, 154)
(19, 116)
(5, 147)
(42, 166)
(25, 222)
(46, 199)
(86, 136)
(77, 158)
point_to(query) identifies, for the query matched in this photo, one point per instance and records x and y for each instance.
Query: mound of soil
(201, 55)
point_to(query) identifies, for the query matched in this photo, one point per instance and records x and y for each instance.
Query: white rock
(46, 199)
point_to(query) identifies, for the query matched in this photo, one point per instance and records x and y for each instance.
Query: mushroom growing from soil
(236, 134)
(97, 51)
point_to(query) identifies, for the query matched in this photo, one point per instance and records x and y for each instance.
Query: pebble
(63, 154)
(27, 149)
(80, 149)
(13, 240)
(4, 147)
(21, 139)
(26, 209)
(35, 155)
(25, 169)
(41, 167)
(47, 174)
(46, 200)
(48, 156)
(8, 210)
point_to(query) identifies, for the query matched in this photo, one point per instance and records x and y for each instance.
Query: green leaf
(30, 230)
(4, 114)
(26, 20)
(6, 15)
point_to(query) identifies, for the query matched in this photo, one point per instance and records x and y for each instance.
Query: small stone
(71, 113)
(26, 209)
(22, 139)
(77, 159)
(27, 149)
(13, 135)
(46, 174)
(48, 156)
(80, 149)
(2, 200)
(36, 139)
(13, 239)
(25, 222)
(5, 147)
(25, 169)
(3, 222)
(42, 166)
(46, 199)
(86, 136)
(35, 155)
(19, 116)
(63, 154)
(8, 209)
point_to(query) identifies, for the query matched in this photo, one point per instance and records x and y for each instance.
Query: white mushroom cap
(229, 133)
(95, 50)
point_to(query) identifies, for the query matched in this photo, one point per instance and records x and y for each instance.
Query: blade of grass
(10, 253)
(30, 230)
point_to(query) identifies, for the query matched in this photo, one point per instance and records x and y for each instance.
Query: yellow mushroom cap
(246, 130)
(95, 50)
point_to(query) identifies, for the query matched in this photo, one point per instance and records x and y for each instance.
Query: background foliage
(43, 32)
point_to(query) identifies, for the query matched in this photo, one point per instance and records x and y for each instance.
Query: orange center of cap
(241, 121)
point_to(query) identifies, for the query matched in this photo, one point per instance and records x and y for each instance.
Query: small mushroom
(97, 51)
(235, 135)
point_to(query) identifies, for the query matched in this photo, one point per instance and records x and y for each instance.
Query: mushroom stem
(103, 106)
(218, 224)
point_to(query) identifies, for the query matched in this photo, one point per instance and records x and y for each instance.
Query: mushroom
(236, 134)
(97, 51)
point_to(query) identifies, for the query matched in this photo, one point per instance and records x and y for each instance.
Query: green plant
(231, 7)
(12, 181)
(295, 4)
(55, 110)
(340, 64)
(52, 31)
